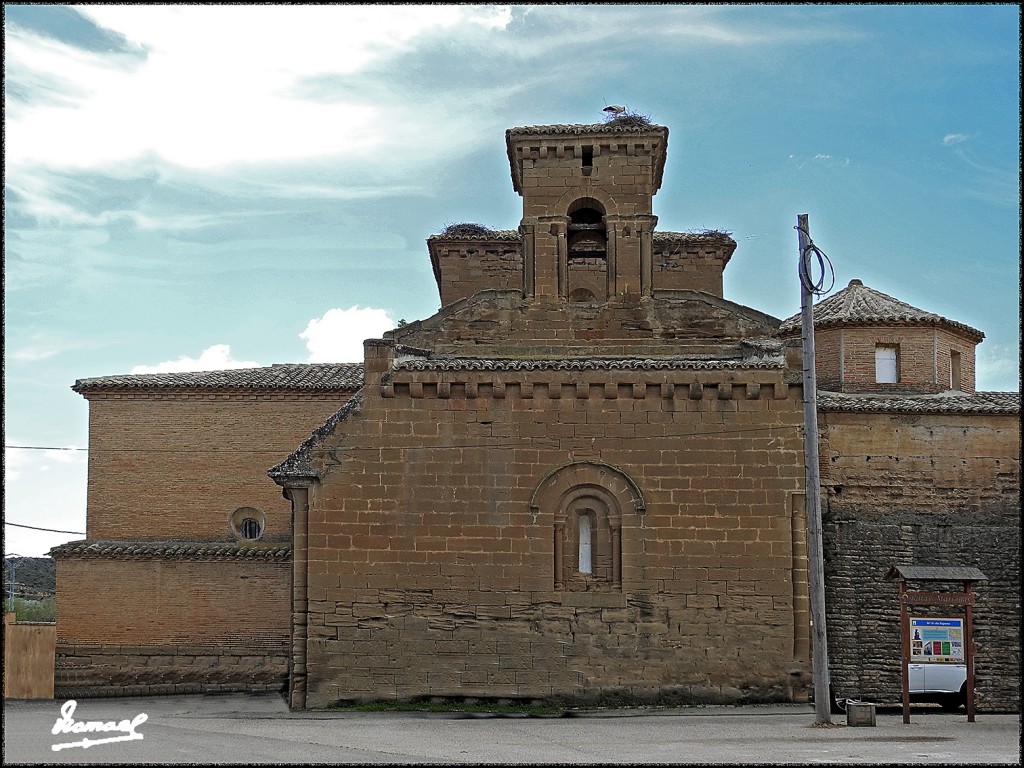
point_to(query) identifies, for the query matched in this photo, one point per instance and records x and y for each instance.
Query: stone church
(580, 480)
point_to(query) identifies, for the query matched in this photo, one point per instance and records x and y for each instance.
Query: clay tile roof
(582, 128)
(946, 402)
(660, 238)
(757, 359)
(859, 305)
(685, 238)
(490, 234)
(185, 550)
(299, 376)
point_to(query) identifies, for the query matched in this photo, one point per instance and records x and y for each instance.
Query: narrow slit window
(588, 157)
(586, 544)
(954, 370)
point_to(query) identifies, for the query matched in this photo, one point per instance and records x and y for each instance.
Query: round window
(247, 523)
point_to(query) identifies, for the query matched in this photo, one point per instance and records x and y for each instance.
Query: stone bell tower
(587, 192)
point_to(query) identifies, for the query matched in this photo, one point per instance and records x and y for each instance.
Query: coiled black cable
(815, 286)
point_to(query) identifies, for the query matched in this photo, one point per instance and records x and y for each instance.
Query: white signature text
(66, 723)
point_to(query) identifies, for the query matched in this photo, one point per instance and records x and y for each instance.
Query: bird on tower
(614, 109)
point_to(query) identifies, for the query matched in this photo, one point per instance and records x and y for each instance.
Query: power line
(48, 530)
(377, 448)
(43, 448)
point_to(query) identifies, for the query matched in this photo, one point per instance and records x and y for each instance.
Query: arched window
(582, 296)
(590, 506)
(587, 250)
(587, 531)
(586, 543)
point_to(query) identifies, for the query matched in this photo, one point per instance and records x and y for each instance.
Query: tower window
(954, 370)
(886, 364)
(588, 158)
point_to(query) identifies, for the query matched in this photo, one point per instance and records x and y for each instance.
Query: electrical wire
(548, 443)
(815, 286)
(48, 530)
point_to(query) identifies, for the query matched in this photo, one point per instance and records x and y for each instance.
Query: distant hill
(35, 578)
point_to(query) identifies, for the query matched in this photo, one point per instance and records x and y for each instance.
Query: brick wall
(430, 573)
(845, 358)
(925, 490)
(828, 358)
(170, 466)
(161, 625)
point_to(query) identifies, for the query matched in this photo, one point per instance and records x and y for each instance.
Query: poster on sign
(936, 641)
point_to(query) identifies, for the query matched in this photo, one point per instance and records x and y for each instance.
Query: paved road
(260, 729)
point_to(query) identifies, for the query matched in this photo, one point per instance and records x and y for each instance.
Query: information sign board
(936, 641)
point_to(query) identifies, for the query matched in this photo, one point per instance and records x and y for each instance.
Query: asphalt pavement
(246, 729)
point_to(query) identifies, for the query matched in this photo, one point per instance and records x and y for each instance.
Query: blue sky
(197, 187)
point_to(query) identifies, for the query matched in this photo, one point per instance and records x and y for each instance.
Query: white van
(943, 684)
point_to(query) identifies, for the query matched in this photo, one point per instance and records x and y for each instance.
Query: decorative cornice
(173, 550)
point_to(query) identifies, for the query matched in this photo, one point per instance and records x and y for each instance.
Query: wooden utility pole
(815, 556)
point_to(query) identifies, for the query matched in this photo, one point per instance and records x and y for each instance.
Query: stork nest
(628, 119)
(710, 232)
(467, 230)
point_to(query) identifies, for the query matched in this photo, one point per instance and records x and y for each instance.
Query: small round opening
(247, 523)
(251, 528)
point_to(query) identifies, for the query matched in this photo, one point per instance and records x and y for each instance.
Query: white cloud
(215, 358)
(337, 336)
(218, 83)
(954, 138)
(34, 354)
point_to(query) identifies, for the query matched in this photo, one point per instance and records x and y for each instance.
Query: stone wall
(86, 670)
(691, 262)
(435, 548)
(921, 489)
(464, 267)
